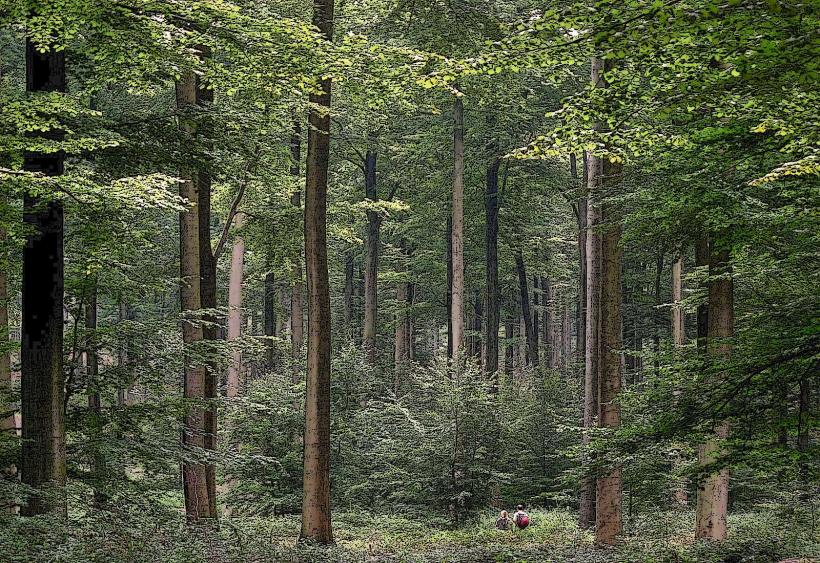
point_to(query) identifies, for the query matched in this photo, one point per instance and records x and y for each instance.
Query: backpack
(522, 521)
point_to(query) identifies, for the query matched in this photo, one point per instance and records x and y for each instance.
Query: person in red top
(521, 518)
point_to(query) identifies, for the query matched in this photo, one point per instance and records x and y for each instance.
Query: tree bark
(196, 486)
(581, 217)
(296, 300)
(493, 292)
(8, 426)
(94, 401)
(531, 336)
(458, 229)
(713, 489)
(271, 318)
(678, 332)
(701, 261)
(235, 307)
(43, 463)
(509, 350)
(536, 327)
(586, 518)
(210, 330)
(348, 296)
(371, 299)
(449, 260)
(656, 329)
(316, 518)
(608, 488)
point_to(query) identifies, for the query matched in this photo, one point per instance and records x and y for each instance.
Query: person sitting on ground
(504, 521)
(521, 518)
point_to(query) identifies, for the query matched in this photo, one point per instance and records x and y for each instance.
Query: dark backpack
(522, 521)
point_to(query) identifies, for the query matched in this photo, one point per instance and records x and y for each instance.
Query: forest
(356, 280)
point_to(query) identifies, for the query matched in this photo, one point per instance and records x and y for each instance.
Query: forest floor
(552, 537)
(765, 535)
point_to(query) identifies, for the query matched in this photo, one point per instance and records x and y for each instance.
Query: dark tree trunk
(509, 350)
(580, 325)
(348, 296)
(92, 365)
(449, 259)
(371, 271)
(536, 327)
(270, 304)
(701, 261)
(532, 337)
(493, 297)
(316, 520)
(43, 463)
(297, 331)
(656, 312)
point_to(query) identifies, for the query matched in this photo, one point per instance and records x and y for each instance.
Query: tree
(493, 292)
(531, 356)
(235, 307)
(43, 453)
(199, 500)
(713, 489)
(296, 299)
(457, 235)
(316, 521)
(371, 269)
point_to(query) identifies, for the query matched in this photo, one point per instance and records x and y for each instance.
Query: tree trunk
(8, 426)
(43, 463)
(656, 331)
(449, 260)
(235, 307)
(581, 217)
(194, 474)
(493, 301)
(509, 350)
(210, 330)
(608, 488)
(478, 313)
(678, 332)
(713, 490)
(296, 300)
(316, 520)
(348, 296)
(536, 327)
(566, 333)
(531, 336)
(271, 318)
(400, 348)
(371, 298)
(92, 365)
(701, 261)
(457, 306)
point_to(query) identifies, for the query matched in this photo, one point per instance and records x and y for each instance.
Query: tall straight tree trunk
(531, 336)
(296, 300)
(410, 322)
(207, 261)
(348, 296)
(8, 426)
(43, 463)
(566, 333)
(608, 488)
(536, 327)
(449, 260)
(92, 365)
(457, 306)
(235, 307)
(316, 520)
(581, 217)
(493, 293)
(400, 355)
(478, 314)
(678, 332)
(701, 261)
(509, 350)
(713, 490)
(656, 321)
(196, 485)
(371, 272)
(594, 265)
(271, 317)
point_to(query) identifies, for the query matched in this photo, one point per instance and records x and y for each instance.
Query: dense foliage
(709, 105)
